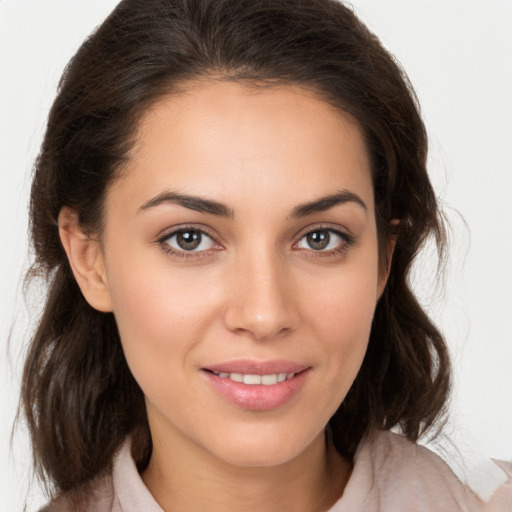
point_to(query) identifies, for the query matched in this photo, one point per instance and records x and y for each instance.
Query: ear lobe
(384, 272)
(86, 260)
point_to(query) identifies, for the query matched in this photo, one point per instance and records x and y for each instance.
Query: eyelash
(163, 241)
(183, 254)
(347, 241)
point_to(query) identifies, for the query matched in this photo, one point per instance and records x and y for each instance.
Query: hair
(78, 395)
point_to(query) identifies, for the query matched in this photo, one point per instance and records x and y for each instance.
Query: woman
(227, 202)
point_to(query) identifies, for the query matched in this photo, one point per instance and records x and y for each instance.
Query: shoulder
(96, 496)
(393, 473)
(120, 490)
(502, 498)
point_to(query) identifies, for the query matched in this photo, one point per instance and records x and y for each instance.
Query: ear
(384, 271)
(86, 260)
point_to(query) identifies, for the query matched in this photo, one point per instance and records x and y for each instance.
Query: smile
(255, 380)
(257, 386)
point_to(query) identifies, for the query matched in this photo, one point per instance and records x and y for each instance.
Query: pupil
(318, 239)
(189, 240)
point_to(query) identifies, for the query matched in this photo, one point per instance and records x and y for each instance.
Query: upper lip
(252, 367)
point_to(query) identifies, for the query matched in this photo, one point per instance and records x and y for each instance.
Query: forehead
(230, 139)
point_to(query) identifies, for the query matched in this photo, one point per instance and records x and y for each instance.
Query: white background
(458, 54)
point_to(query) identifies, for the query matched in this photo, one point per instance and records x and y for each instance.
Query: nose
(261, 303)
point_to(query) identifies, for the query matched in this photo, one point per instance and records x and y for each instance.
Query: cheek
(160, 314)
(346, 304)
(161, 321)
(341, 315)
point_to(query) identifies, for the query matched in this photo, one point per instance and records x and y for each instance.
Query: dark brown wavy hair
(78, 395)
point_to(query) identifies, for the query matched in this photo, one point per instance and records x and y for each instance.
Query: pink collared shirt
(390, 474)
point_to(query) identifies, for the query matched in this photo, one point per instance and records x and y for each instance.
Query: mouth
(255, 379)
(257, 386)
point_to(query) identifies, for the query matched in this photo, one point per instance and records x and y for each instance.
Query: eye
(323, 240)
(189, 240)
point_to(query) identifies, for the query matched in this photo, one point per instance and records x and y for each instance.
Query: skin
(254, 289)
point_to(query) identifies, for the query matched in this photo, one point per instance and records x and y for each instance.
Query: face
(240, 256)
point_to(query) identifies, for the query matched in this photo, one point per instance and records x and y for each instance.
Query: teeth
(255, 380)
(269, 380)
(252, 379)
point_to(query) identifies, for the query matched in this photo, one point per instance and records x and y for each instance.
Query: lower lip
(258, 397)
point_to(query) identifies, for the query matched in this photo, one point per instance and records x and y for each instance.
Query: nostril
(261, 304)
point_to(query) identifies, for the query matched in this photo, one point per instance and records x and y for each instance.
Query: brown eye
(189, 240)
(324, 240)
(318, 240)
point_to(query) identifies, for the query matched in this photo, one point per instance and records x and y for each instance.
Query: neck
(186, 479)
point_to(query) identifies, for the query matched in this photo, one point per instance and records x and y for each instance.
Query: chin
(266, 449)
(258, 458)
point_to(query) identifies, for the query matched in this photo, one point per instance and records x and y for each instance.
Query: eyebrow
(203, 205)
(196, 203)
(326, 203)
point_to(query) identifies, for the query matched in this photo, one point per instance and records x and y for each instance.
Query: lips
(254, 379)
(255, 385)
